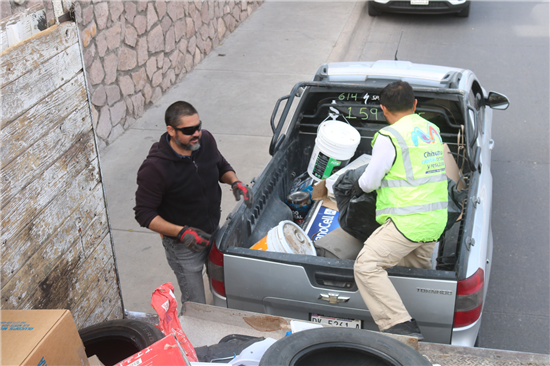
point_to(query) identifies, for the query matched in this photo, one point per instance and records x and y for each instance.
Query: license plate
(420, 2)
(339, 322)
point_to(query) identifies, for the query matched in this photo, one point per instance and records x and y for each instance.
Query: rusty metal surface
(446, 355)
(266, 323)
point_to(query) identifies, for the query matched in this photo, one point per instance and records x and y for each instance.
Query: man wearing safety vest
(408, 173)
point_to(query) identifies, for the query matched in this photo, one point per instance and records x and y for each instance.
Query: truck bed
(293, 285)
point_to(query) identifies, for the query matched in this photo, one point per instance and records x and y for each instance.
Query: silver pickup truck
(447, 301)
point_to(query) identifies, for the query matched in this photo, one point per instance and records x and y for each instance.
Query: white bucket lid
(294, 239)
(339, 134)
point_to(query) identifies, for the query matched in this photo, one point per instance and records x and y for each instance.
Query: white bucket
(287, 237)
(335, 144)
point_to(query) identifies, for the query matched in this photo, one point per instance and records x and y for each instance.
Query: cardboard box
(40, 337)
(320, 221)
(95, 361)
(165, 352)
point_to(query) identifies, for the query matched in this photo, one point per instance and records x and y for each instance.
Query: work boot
(409, 328)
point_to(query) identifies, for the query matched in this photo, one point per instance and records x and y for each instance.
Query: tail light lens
(469, 299)
(215, 270)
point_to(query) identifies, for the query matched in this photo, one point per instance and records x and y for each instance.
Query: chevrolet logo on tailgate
(333, 298)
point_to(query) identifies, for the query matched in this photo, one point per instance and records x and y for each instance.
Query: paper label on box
(136, 362)
(16, 326)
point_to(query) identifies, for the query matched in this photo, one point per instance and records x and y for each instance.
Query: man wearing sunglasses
(179, 195)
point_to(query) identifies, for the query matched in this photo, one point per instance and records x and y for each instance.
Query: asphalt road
(507, 45)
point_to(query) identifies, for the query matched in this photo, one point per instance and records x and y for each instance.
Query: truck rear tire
(340, 346)
(115, 340)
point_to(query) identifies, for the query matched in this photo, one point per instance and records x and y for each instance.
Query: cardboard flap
(451, 168)
(320, 192)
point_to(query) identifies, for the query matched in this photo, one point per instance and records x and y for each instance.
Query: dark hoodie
(183, 191)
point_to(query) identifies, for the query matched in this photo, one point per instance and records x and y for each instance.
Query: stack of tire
(115, 340)
(340, 346)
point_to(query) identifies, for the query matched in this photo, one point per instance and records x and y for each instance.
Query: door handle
(491, 144)
(333, 298)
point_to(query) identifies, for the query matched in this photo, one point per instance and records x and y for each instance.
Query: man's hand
(356, 190)
(240, 189)
(194, 239)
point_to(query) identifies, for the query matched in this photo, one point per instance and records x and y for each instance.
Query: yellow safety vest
(414, 192)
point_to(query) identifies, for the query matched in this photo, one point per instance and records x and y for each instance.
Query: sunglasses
(189, 130)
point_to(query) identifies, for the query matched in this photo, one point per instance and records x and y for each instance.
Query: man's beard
(189, 146)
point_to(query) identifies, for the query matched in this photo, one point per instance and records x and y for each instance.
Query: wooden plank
(24, 56)
(39, 157)
(31, 21)
(56, 248)
(19, 16)
(109, 301)
(75, 164)
(60, 285)
(38, 121)
(96, 292)
(47, 279)
(63, 289)
(42, 80)
(57, 222)
(101, 299)
(117, 312)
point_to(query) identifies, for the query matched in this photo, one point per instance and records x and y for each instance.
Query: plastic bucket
(335, 145)
(287, 237)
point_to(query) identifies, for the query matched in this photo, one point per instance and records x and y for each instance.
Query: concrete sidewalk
(234, 89)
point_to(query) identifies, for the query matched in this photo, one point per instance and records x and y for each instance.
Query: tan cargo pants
(385, 248)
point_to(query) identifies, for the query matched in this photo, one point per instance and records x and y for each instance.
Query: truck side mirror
(497, 101)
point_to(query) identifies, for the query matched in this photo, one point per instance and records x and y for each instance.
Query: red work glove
(240, 189)
(194, 239)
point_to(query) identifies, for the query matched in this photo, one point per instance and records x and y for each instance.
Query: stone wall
(135, 50)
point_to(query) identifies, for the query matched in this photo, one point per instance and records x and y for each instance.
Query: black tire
(373, 12)
(115, 340)
(340, 346)
(464, 13)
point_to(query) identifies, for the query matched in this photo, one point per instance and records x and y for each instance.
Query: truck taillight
(215, 270)
(469, 299)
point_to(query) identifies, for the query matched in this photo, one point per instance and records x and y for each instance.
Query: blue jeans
(187, 266)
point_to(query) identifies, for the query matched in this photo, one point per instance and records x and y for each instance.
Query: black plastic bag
(227, 348)
(357, 214)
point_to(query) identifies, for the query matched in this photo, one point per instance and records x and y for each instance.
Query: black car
(459, 7)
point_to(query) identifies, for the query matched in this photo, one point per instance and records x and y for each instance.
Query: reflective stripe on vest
(411, 181)
(412, 209)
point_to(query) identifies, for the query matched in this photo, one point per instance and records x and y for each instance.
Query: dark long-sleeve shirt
(181, 190)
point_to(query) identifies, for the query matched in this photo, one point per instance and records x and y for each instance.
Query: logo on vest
(429, 138)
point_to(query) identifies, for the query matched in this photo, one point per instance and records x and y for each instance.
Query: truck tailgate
(293, 290)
